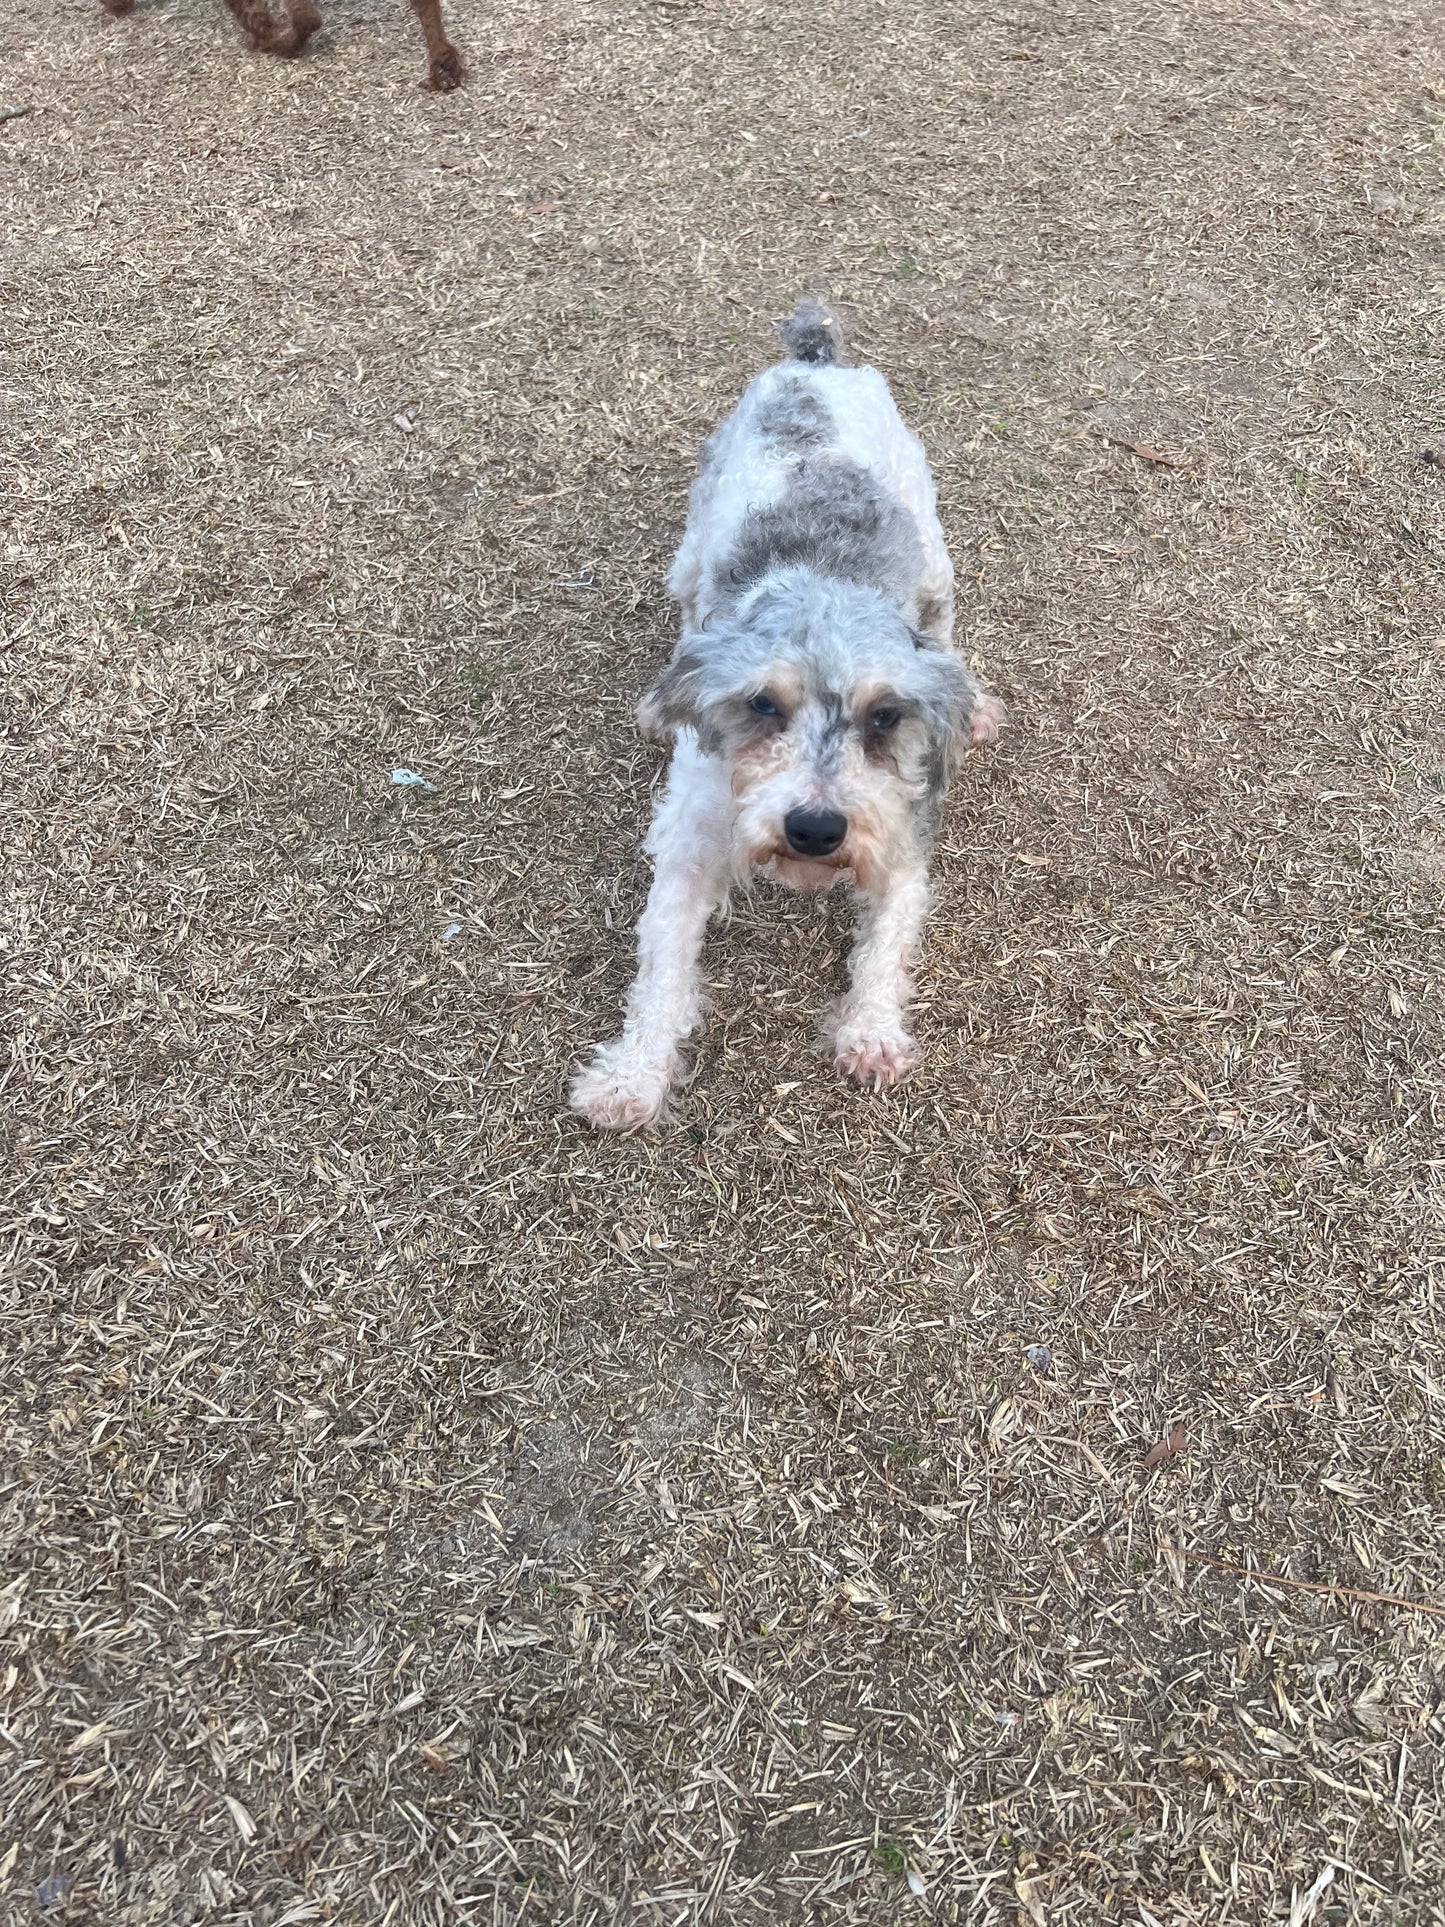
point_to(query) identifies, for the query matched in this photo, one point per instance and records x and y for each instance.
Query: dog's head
(840, 725)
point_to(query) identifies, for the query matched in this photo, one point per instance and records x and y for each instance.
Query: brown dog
(299, 21)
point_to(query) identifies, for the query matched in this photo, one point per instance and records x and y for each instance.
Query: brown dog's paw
(446, 71)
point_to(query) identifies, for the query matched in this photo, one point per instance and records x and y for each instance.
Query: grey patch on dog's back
(794, 420)
(836, 520)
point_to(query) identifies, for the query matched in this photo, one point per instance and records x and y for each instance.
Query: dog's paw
(446, 71)
(619, 1092)
(989, 717)
(872, 1054)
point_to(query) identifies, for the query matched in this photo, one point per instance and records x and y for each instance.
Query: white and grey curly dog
(815, 703)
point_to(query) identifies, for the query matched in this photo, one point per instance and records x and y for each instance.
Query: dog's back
(815, 466)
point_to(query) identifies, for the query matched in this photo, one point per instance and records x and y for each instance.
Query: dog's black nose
(814, 832)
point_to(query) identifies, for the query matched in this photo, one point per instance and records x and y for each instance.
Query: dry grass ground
(420, 1510)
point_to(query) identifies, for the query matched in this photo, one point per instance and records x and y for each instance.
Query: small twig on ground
(1147, 452)
(1311, 1585)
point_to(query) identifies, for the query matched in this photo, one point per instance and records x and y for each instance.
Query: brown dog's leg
(446, 63)
(262, 30)
(305, 19)
(118, 7)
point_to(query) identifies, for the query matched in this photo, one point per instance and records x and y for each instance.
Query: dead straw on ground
(417, 1509)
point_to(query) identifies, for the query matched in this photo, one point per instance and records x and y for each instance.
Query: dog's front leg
(869, 1039)
(444, 63)
(627, 1084)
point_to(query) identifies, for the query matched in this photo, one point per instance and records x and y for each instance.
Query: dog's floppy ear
(966, 715)
(672, 702)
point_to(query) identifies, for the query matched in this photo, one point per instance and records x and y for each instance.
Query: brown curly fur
(269, 36)
(299, 20)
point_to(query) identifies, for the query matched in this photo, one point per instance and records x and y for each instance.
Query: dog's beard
(805, 874)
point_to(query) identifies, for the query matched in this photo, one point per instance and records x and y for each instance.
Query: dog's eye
(764, 706)
(884, 718)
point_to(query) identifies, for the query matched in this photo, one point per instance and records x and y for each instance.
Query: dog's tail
(813, 332)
